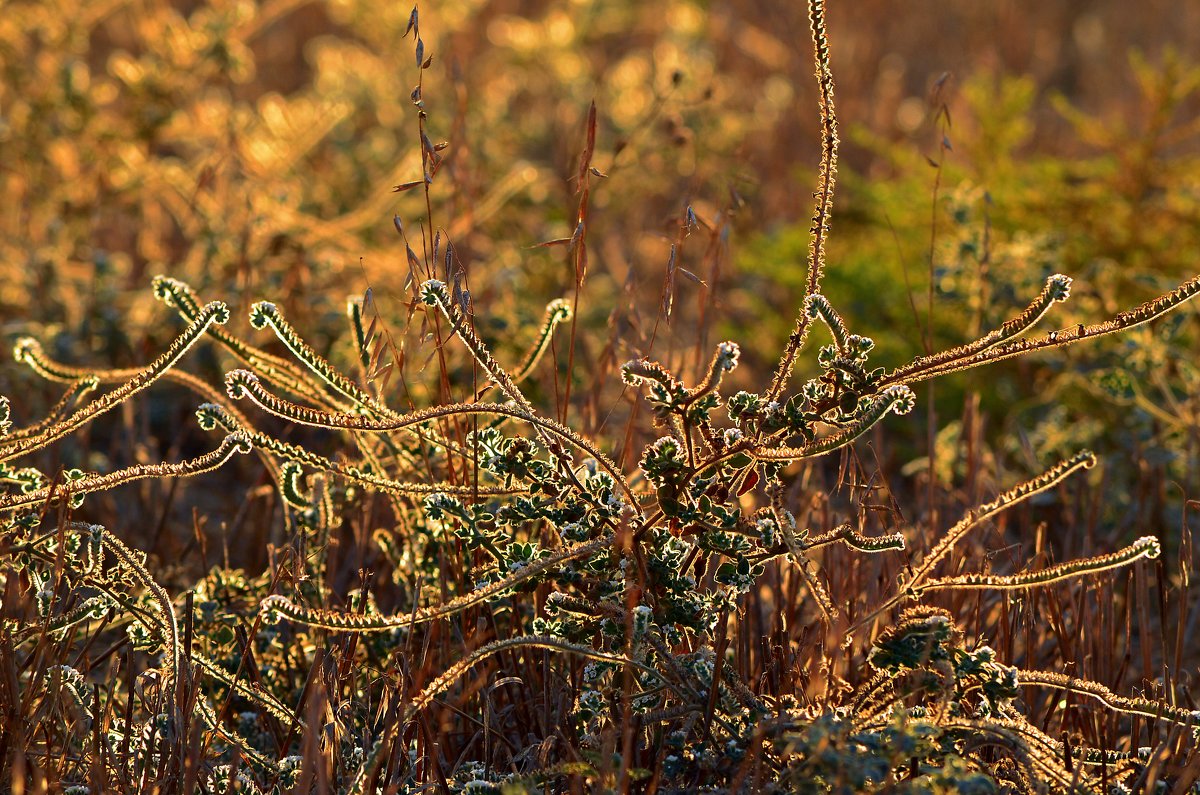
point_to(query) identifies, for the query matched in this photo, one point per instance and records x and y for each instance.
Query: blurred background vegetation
(251, 149)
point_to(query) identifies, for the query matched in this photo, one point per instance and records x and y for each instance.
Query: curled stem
(212, 415)
(242, 383)
(1146, 708)
(232, 444)
(1145, 547)
(963, 358)
(213, 313)
(354, 622)
(1015, 495)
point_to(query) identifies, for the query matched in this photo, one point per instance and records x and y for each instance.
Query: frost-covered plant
(633, 572)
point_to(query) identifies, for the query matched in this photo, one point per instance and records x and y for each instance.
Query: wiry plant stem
(826, 177)
(215, 312)
(354, 622)
(231, 445)
(241, 383)
(970, 356)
